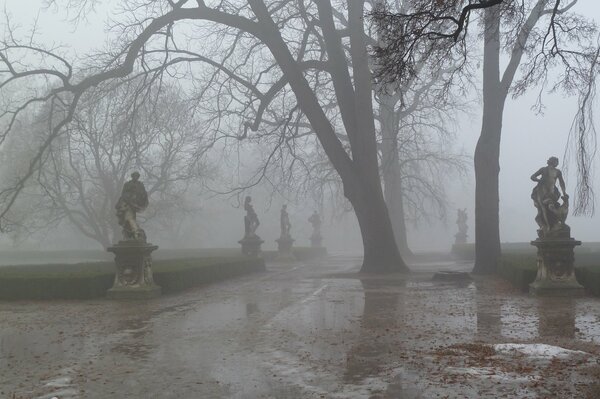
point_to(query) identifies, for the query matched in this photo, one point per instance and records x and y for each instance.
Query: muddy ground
(307, 330)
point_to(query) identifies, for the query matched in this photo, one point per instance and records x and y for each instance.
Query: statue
(133, 255)
(461, 221)
(315, 238)
(285, 241)
(551, 215)
(315, 221)
(134, 198)
(251, 221)
(251, 242)
(555, 246)
(285, 222)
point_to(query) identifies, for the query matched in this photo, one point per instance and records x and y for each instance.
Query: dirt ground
(308, 330)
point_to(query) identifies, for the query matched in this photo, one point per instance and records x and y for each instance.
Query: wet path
(306, 331)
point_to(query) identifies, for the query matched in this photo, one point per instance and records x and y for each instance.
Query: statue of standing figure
(285, 223)
(315, 237)
(461, 221)
(551, 215)
(251, 221)
(315, 221)
(134, 199)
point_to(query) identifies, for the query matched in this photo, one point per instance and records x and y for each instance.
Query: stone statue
(315, 221)
(134, 198)
(551, 215)
(461, 221)
(555, 246)
(315, 238)
(251, 221)
(285, 222)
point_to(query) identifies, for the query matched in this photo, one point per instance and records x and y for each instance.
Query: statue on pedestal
(285, 222)
(551, 215)
(461, 221)
(251, 221)
(555, 246)
(251, 242)
(133, 259)
(134, 199)
(315, 237)
(285, 240)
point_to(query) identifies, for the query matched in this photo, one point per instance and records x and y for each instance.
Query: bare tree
(538, 36)
(116, 130)
(301, 41)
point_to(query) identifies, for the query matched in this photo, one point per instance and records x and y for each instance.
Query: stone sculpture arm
(561, 182)
(534, 176)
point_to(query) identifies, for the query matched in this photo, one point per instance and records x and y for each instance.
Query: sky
(528, 141)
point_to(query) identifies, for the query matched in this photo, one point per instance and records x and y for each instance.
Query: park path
(307, 330)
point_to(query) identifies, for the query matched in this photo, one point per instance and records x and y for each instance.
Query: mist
(248, 199)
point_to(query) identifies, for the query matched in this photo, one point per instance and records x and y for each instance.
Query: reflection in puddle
(518, 322)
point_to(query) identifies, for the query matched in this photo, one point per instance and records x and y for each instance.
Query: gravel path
(307, 330)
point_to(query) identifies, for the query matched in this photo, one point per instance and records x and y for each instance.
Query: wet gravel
(308, 330)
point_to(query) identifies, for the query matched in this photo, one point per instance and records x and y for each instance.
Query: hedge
(521, 270)
(300, 253)
(91, 280)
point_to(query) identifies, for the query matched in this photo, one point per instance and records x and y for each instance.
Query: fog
(267, 199)
(528, 139)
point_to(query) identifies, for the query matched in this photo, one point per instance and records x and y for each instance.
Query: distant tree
(293, 43)
(115, 130)
(539, 36)
(417, 154)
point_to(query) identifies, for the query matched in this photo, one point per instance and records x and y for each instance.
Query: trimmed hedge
(464, 251)
(186, 273)
(521, 270)
(518, 269)
(301, 253)
(91, 280)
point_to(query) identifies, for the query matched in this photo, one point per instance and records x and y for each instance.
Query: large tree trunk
(395, 204)
(487, 152)
(391, 173)
(381, 253)
(359, 173)
(487, 169)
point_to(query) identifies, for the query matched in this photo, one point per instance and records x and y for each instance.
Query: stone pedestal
(251, 245)
(133, 279)
(555, 268)
(316, 241)
(284, 249)
(460, 238)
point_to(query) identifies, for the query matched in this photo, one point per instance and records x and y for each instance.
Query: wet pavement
(308, 330)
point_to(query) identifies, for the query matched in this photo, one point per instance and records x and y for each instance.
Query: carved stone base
(556, 268)
(133, 279)
(284, 249)
(316, 241)
(251, 245)
(460, 238)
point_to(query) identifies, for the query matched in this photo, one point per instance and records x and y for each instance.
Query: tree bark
(487, 152)
(381, 254)
(359, 174)
(392, 179)
(395, 203)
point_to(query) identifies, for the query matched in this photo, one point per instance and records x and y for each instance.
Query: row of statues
(134, 199)
(550, 218)
(251, 221)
